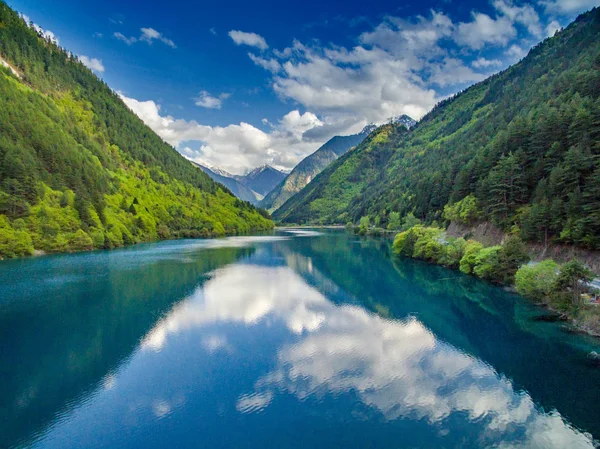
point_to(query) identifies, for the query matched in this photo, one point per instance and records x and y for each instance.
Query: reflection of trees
(58, 347)
(469, 314)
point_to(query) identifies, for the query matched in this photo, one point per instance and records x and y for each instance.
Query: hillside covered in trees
(311, 166)
(520, 149)
(78, 170)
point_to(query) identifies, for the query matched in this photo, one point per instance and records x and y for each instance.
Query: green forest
(78, 170)
(520, 149)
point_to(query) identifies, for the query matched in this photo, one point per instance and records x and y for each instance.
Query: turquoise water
(293, 340)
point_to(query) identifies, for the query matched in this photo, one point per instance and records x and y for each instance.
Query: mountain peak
(368, 129)
(259, 169)
(403, 119)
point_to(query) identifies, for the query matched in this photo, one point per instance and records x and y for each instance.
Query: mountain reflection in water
(280, 347)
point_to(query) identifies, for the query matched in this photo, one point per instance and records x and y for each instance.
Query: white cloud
(483, 63)
(147, 35)
(251, 39)
(484, 30)
(213, 31)
(516, 53)
(272, 65)
(127, 40)
(450, 70)
(235, 148)
(206, 100)
(401, 66)
(150, 34)
(525, 15)
(567, 7)
(46, 34)
(552, 28)
(92, 63)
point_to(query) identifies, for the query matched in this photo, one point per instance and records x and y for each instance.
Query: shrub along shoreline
(559, 287)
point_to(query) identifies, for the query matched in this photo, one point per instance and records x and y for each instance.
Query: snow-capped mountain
(262, 179)
(403, 120)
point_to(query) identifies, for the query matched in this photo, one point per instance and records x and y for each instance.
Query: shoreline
(41, 253)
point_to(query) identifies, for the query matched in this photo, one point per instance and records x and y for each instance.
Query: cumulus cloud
(524, 15)
(46, 34)
(552, 28)
(516, 53)
(400, 66)
(568, 7)
(484, 30)
(92, 63)
(272, 65)
(237, 147)
(206, 100)
(148, 35)
(483, 63)
(251, 39)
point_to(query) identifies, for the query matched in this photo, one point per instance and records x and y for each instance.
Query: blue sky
(237, 84)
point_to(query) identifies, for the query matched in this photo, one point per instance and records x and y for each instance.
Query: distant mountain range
(250, 187)
(262, 179)
(269, 188)
(311, 166)
(227, 179)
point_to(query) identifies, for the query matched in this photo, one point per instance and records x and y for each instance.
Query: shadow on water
(478, 318)
(68, 321)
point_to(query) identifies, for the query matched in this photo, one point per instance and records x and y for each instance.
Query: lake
(299, 339)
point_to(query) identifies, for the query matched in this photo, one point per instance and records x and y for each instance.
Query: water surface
(300, 339)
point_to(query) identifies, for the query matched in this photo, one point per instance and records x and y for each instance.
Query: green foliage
(572, 278)
(429, 245)
(511, 257)
(404, 242)
(469, 259)
(537, 281)
(520, 148)
(453, 253)
(465, 211)
(486, 262)
(13, 243)
(394, 221)
(78, 170)
(495, 263)
(364, 225)
(410, 221)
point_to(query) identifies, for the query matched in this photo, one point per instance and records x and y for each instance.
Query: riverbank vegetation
(561, 287)
(79, 170)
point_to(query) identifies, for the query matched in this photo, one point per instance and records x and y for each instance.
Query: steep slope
(311, 166)
(262, 179)
(78, 170)
(235, 186)
(520, 149)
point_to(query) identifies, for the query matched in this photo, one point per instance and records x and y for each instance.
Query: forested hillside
(78, 170)
(520, 149)
(311, 166)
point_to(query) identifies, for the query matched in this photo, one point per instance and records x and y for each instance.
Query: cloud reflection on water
(396, 367)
